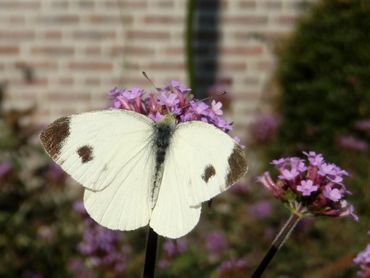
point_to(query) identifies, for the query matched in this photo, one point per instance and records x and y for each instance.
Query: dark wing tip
(238, 165)
(53, 136)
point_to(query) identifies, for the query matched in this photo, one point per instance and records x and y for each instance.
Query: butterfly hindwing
(172, 216)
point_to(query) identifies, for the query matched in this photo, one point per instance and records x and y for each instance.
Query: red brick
(93, 81)
(166, 66)
(66, 81)
(9, 50)
(19, 5)
(63, 96)
(16, 35)
(289, 20)
(148, 35)
(93, 51)
(54, 35)
(94, 35)
(58, 19)
(53, 50)
(247, 4)
(163, 19)
(91, 66)
(242, 51)
(234, 66)
(246, 19)
(133, 50)
(175, 51)
(105, 19)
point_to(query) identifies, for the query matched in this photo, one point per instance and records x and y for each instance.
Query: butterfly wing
(172, 216)
(201, 162)
(212, 159)
(110, 153)
(94, 147)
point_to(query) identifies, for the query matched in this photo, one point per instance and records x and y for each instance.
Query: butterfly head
(168, 119)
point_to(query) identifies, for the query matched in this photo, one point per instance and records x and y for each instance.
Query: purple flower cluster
(172, 249)
(352, 143)
(5, 169)
(54, 174)
(363, 125)
(264, 128)
(310, 186)
(216, 244)
(173, 99)
(102, 249)
(233, 268)
(363, 261)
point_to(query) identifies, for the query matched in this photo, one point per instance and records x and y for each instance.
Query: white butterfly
(138, 172)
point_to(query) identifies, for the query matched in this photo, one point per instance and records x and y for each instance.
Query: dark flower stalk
(278, 242)
(150, 254)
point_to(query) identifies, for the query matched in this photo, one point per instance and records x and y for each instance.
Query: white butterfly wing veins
(109, 153)
(213, 159)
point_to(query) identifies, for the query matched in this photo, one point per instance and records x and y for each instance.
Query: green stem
(278, 242)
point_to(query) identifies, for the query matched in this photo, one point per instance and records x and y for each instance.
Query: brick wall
(74, 51)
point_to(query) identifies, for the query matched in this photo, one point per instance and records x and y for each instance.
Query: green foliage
(324, 75)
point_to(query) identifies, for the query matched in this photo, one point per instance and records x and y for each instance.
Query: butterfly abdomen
(161, 141)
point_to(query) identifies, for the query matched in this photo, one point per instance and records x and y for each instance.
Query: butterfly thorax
(163, 131)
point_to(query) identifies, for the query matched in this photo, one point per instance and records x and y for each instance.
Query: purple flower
(352, 143)
(312, 187)
(289, 174)
(216, 244)
(363, 124)
(54, 174)
(233, 268)
(5, 169)
(173, 99)
(307, 187)
(216, 107)
(168, 100)
(264, 128)
(332, 194)
(363, 261)
(261, 209)
(315, 159)
(100, 247)
(176, 247)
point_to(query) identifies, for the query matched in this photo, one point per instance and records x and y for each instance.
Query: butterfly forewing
(94, 147)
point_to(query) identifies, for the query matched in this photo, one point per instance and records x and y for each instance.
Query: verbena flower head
(352, 143)
(264, 128)
(363, 261)
(102, 249)
(310, 186)
(175, 99)
(233, 268)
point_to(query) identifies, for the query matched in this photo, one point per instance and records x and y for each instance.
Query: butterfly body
(138, 172)
(162, 134)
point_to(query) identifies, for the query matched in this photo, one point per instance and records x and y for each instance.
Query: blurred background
(297, 77)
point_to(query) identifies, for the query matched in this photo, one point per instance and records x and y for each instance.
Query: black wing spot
(209, 172)
(54, 135)
(237, 165)
(86, 153)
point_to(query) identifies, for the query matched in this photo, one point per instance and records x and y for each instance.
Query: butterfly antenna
(150, 81)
